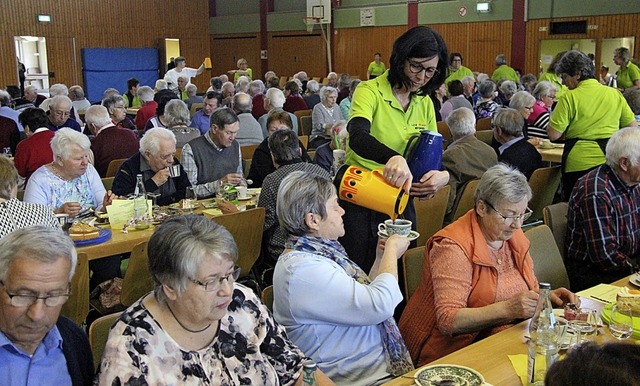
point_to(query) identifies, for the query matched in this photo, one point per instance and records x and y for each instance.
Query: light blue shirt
(506, 145)
(200, 122)
(47, 365)
(332, 318)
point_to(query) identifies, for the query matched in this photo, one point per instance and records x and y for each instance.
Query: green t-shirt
(590, 111)
(555, 79)
(237, 75)
(374, 101)
(458, 75)
(376, 69)
(136, 101)
(627, 76)
(505, 72)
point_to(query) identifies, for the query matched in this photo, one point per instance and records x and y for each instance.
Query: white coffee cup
(398, 227)
(242, 192)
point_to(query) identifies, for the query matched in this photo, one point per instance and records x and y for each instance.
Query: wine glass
(621, 323)
(585, 325)
(154, 201)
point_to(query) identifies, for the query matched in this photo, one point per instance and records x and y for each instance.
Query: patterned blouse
(15, 215)
(249, 349)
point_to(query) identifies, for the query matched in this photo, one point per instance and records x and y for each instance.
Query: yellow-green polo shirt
(505, 72)
(590, 111)
(458, 75)
(555, 79)
(627, 76)
(374, 101)
(376, 69)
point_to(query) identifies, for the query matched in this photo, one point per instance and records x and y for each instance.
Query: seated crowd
(200, 326)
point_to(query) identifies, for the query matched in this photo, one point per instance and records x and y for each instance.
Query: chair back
(246, 228)
(195, 107)
(465, 202)
(306, 124)
(107, 182)
(137, 279)
(555, 217)
(77, 307)
(178, 154)
(544, 183)
(113, 167)
(267, 297)
(246, 166)
(547, 262)
(302, 113)
(430, 214)
(283, 81)
(412, 261)
(20, 195)
(483, 124)
(98, 334)
(443, 129)
(304, 139)
(247, 151)
(485, 136)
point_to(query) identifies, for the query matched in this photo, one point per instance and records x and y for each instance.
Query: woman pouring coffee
(385, 113)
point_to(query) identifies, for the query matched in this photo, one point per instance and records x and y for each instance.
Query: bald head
(242, 103)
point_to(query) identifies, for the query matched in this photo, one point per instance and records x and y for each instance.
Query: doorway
(549, 49)
(171, 50)
(610, 44)
(31, 51)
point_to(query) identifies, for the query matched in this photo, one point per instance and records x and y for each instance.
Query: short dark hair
(284, 145)
(132, 82)
(455, 87)
(163, 100)
(292, 86)
(214, 95)
(453, 55)
(222, 117)
(418, 42)
(33, 117)
(281, 116)
(575, 63)
(216, 82)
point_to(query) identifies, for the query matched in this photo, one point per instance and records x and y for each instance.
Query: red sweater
(34, 152)
(294, 103)
(147, 111)
(113, 143)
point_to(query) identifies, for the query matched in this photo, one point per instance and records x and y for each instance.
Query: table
(120, 242)
(490, 355)
(553, 154)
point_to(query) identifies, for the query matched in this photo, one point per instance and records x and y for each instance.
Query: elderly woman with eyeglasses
(198, 326)
(538, 121)
(153, 161)
(325, 114)
(477, 277)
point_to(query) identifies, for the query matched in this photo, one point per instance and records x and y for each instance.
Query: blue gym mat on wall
(111, 67)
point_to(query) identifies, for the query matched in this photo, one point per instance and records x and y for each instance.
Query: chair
(544, 183)
(246, 228)
(267, 297)
(107, 182)
(98, 334)
(547, 261)
(555, 217)
(247, 151)
(195, 107)
(137, 279)
(178, 154)
(430, 214)
(246, 166)
(283, 81)
(483, 124)
(485, 136)
(302, 113)
(443, 129)
(412, 261)
(312, 154)
(465, 202)
(306, 125)
(113, 167)
(77, 307)
(304, 139)
(316, 78)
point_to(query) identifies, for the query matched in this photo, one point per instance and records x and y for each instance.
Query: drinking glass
(585, 326)
(190, 198)
(621, 323)
(154, 201)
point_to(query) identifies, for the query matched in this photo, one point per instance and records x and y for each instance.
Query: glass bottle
(140, 207)
(309, 373)
(543, 343)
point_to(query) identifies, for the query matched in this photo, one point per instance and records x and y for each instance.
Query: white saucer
(249, 197)
(412, 236)
(635, 279)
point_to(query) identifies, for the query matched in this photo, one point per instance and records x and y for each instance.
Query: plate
(249, 197)
(451, 375)
(104, 234)
(254, 191)
(412, 236)
(178, 205)
(606, 317)
(635, 279)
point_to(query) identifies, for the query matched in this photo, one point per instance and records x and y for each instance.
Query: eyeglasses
(215, 284)
(511, 219)
(528, 107)
(60, 113)
(417, 68)
(24, 300)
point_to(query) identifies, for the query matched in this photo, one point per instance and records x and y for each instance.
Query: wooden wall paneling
(226, 50)
(293, 52)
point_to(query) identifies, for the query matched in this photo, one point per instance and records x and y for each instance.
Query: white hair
(64, 139)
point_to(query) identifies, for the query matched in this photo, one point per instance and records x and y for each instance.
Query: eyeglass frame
(521, 217)
(35, 298)
(429, 71)
(233, 275)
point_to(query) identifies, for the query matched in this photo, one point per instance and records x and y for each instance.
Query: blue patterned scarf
(396, 353)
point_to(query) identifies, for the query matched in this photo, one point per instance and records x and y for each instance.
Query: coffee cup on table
(242, 192)
(399, 227)
(174, 171)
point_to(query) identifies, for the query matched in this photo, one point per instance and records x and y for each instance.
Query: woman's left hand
(108, 198)
(430, 183)
(561, 296)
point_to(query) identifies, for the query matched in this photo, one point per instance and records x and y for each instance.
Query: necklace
(183, 326)
(56, 170)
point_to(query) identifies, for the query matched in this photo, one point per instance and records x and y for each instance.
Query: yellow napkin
(212, 212)
(603, 293)
(519, 363)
